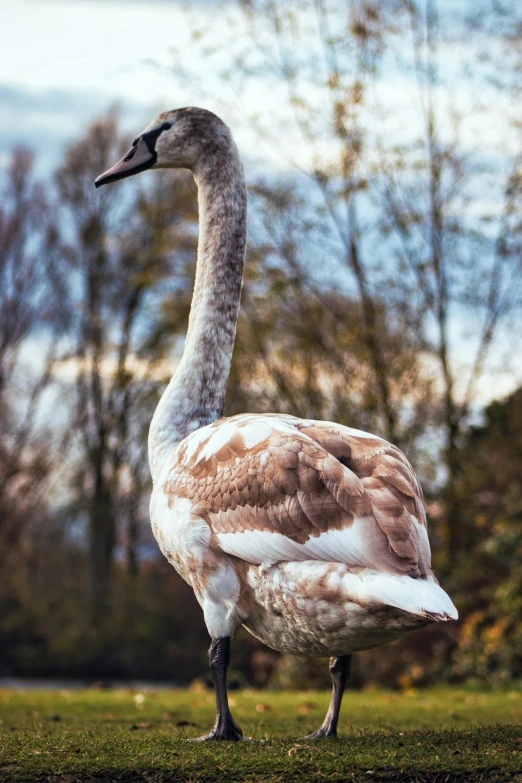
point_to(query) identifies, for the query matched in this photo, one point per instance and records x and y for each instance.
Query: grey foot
(228, 732)
(322, 732)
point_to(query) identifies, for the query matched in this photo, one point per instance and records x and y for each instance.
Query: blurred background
(383, 148)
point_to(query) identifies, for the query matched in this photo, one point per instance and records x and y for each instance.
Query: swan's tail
(421, 597)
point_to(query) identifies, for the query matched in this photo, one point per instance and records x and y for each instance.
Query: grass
(442, 735)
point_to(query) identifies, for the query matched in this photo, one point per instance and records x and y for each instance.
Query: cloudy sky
(63, 62)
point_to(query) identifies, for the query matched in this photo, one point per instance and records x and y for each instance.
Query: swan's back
(276, 488)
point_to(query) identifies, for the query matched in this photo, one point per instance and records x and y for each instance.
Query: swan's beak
(139, 158)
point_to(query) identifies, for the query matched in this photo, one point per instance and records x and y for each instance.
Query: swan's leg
(340, 670)
(225, 728)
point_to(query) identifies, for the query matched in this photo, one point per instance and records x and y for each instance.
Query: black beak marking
(131, 154)
(150, 138)
(120, 171)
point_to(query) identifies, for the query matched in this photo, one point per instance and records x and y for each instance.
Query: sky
(65, 62)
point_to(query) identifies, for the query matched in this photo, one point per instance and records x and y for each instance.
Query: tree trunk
(371, 336)
(102, 540)
(132, 542)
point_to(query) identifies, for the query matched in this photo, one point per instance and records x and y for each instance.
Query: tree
(325, 140)
(30, 318)
(379, 114)
(297, 347)
(490, 568)
(121, 268)
(459, 256)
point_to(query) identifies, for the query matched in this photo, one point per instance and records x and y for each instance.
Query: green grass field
(442, 734)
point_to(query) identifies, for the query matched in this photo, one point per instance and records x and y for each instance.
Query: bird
(310, 534)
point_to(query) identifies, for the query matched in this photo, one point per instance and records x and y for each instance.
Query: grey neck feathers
(196, 394)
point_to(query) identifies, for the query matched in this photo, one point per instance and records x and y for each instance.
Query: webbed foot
(322, 732)
(227, 731)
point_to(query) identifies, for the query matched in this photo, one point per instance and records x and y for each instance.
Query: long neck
(196, 394)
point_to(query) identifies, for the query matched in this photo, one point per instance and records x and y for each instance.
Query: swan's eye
(130, 155)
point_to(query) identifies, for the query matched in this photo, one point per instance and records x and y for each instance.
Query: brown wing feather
(312, 478)
(389, 481)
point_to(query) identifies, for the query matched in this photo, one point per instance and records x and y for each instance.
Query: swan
(309, 533)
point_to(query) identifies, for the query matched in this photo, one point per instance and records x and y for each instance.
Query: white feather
(195, 440)
(417, 596)
(217, 440)
(351, 545)
(255, 433)
(219, 602)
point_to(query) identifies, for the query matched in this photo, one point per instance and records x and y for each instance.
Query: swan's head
(177, 139)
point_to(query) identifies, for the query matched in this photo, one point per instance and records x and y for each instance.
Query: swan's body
(310, 534)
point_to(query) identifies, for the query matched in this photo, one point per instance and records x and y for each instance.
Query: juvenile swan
(310, 534)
